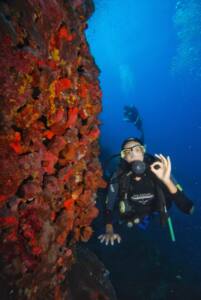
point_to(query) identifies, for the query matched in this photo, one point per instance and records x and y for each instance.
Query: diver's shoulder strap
(162, 208)
(160, 194)
(125, 184)
(117, 176)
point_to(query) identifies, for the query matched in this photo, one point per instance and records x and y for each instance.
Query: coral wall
(49, 102)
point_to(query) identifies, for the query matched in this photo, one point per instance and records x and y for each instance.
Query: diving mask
(136, 149)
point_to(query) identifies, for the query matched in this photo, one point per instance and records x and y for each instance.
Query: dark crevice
(20, 192)
(43, 119)
(36, 92)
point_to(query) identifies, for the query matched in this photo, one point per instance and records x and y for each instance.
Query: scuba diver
(141, 186)
(131, 115)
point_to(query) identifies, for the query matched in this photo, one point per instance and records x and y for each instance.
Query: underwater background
(149, 54)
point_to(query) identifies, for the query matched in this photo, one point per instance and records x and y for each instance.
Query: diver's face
(133, 151)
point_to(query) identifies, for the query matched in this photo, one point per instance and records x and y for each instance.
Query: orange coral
(62, 85)
(72, 117)
(65, 34)
(49, 134)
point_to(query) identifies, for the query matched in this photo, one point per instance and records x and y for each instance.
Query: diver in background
(141, 186)
(131, 115)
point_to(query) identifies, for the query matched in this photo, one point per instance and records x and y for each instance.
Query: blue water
(149, 54)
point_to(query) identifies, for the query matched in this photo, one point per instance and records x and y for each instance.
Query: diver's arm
(173, 192)
(110, 236)
(182, 201)
(170, 186)
(111, 199)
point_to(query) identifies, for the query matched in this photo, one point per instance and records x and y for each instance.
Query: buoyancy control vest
(128, 209)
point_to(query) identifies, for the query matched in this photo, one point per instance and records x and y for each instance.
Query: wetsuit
(141, 198)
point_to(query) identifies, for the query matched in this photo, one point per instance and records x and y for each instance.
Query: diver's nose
(133, 155)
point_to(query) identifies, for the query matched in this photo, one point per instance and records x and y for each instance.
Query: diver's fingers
(160, 156)
(112, 240)
(100, 236)
(157, 155)
(164, 159)
(157, 163)
(107, 240)
(118, 238)
(169, 166)
(103, 238)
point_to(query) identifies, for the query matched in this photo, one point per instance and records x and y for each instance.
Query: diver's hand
(162, 168)
(109, 236)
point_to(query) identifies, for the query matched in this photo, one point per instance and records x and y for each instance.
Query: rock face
(94, 283)
(49, 101)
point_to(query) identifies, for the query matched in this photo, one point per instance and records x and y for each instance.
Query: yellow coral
(71, 99)
(51, 98)
(26, 81)
(55, 54)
